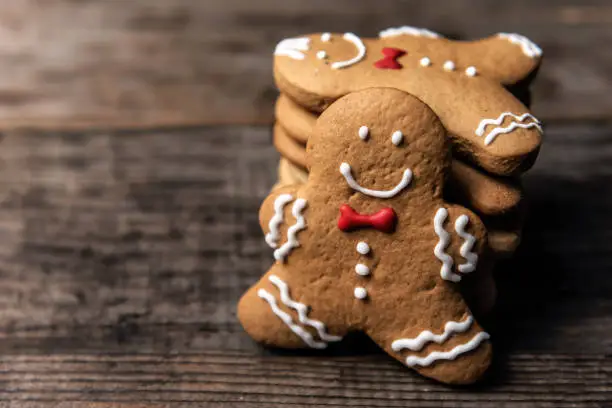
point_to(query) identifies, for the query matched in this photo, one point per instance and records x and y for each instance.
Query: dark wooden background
(134, 153)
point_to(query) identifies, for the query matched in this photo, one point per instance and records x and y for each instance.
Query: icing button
(449, 66)
(425, 62)
(362, 270)
(361, 293)
(363, 248)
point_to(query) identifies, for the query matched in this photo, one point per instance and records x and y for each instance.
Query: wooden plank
(231, 379)
(112, 63)
(123, 255)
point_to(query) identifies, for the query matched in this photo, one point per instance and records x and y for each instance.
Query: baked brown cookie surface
(463, 82)
(369, 244)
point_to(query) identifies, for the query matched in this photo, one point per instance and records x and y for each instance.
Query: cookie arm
(469, 239)
(273, 211)
(509, 58)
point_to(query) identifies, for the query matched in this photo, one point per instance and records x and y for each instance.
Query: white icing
(417, 343)
(363, 132)
(321, 55)
(281, 253)
(529, 48)
(446, 271)
(326, 37)
(303, 334)
(293, 48)
(360, 293)
(480, 131)
(363, 248)
(425, 62)
(467, 246)
(408, 30)
(279, 205)
(361, 52)
(302, 310)
(345, 170)
(397, 137)
(412, 361)
(449, 66)
(362, 270)
(471, 71)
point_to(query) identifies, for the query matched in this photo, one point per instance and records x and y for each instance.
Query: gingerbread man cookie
(463, 82)
(369, 244)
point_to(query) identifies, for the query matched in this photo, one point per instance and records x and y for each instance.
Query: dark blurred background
(140, 63)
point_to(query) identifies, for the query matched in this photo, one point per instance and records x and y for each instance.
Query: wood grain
(123, 255)
(69, 64)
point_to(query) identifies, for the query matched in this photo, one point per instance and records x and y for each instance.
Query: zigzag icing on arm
(529, 48)
(279, 205)
(412, 361)
(281, 253)
(467, 246)
(408, 30)
(302, 310)
(300, 332)
(417, 343)
(480, 130)
(293, 48)
(440, 250)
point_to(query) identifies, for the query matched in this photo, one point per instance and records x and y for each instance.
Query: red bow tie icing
(390, 60)
(384, 220)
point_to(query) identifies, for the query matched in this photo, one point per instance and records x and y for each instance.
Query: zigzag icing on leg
(467, 246)
(412, 361)
(299, 331)
(417, 343)
(275, 222)
(302, 310)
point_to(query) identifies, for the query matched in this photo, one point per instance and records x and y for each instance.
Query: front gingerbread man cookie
(368, 244)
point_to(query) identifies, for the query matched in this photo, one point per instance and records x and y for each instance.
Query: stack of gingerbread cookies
(479, 89)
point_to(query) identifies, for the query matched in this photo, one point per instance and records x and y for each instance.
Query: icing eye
(325, 37)
(397, 137)
(321, 55)
(471, 71)
(364, 132)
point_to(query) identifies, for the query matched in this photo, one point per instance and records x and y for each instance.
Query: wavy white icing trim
(529, 48)
(302, 310)
(293, 48)
(299, 331)
(446, 271)
(411, 361)
(345, 170)
(281, 253)
(279, 205)
(361, 52)
(417, 343)
(467, 246)
(408, 30)
(480, 131)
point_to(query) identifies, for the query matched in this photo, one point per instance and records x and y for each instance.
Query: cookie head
(381, 143)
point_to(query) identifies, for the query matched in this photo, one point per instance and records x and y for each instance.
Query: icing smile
(345, 170)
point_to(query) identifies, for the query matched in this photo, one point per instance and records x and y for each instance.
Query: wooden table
(135, 151)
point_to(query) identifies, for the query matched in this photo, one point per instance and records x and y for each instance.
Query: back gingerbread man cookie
(368, 244)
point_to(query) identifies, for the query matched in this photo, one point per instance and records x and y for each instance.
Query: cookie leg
(271, 316)
(441, 341)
